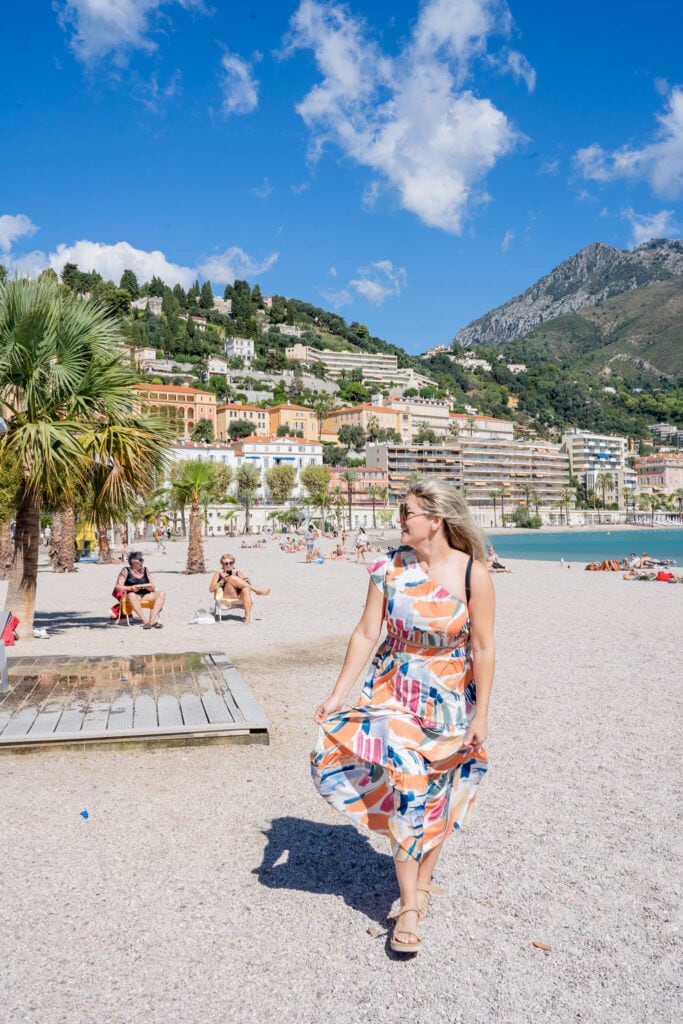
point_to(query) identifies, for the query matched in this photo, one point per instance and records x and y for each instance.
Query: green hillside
(630, 336)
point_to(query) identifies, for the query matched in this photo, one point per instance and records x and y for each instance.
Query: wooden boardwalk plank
(216, 708)
(169, 711)
(193, 710)
(46, 722)
(121, 714)
(20, 723)
(145, 714)
(244, 698)
(235, 712)
(95, 718)
(5, 717)
(71, 720)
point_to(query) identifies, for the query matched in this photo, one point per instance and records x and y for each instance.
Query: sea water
(590, 545)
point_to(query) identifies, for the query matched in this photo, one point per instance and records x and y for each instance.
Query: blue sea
(590, 545)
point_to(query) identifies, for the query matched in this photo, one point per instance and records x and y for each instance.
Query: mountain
(588, 279)
(633, 336)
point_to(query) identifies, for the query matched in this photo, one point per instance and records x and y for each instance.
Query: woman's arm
(217, 581)
(482, 610)
(363, 639)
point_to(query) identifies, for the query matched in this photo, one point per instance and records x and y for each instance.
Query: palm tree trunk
(195, 547)
(6, 549)
(55, 537)
(103, 548)
(66, 553)
(23, 576)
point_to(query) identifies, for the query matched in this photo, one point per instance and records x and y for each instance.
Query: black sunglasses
(405, 514)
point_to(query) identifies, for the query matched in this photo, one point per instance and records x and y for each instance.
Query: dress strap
(468, 573)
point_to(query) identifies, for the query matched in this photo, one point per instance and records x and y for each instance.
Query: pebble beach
(211, 884)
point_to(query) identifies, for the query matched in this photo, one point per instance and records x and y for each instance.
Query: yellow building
(184, 407)
(296, 418)
(233, 411)
(360, 416)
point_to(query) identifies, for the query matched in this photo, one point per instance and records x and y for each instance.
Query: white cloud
(240, 88)
(111, 260)
(646, 226)
(659, 163)
(236, 263)
(102, 27)
(550, 167)
(13, 227)
(410, 119)
(262, 191)
(376, 283)
(507, 240)
(516, 64)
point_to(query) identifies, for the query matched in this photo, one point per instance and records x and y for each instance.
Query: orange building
(365, 476)
(296, 418)
(233, 411)
(360, 416)
(184, 407)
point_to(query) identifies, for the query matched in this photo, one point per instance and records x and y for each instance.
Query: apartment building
(233, 411)
(661, 473)
(183, 406)
(240, 348)
(480, 465)
(361, 495)
(400, 462)
(377, 366)
(493, 464)
(296, 418)
(360, 416)
(590, 455)
(434, 413)
(273, 451)
(473, 425)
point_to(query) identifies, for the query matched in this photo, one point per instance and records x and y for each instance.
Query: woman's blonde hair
(439, 498)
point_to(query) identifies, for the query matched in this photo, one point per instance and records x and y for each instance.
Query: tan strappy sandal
(429, 891)
(405, 947)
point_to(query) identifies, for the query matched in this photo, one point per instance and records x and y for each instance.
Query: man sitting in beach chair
(233, 590)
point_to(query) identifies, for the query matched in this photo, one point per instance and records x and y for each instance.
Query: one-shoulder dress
(395, 761)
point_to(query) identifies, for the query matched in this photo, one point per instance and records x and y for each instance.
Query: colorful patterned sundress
(395, 760)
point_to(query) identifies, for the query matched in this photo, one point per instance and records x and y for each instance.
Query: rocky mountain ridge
(588, 278)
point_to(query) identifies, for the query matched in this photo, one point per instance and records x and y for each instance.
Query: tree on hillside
(425, 435)
(129, 282)
(203, 431)
(206, 296)
(352, 437)
(323, 406)
(68, 405)
(240, 428)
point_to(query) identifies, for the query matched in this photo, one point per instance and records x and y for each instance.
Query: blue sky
(408, 164)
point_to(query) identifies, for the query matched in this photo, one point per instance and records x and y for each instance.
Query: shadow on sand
(307, 856)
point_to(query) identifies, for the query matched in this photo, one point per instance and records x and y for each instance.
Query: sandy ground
(212, 884)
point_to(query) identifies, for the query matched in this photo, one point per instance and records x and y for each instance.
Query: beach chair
(123, 609)
(221, 603)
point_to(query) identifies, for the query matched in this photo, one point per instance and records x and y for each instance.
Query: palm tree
(527, 490)
(338, 503)
(373, 428)
(651, 501)
(605, 482)
(197, 478)
(374, 492)
(68, 405)
(322, 407)
(566, 495)
(248, 479)
(493, 494)
(678, 495)
(349, 476)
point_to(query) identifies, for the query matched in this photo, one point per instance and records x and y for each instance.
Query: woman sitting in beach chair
(136, 593)
(233, 590)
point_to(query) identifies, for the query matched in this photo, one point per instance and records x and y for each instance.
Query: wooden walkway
(163, 698)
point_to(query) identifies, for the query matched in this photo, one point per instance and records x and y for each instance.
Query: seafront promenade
(211, 884)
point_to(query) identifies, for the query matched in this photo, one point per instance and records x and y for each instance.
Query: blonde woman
(405, 759)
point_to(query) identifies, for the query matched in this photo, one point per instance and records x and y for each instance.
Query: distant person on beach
(406, 758)
(231, 585)
(311, 535)
(361, 544)
(494, 564)
(136, 583)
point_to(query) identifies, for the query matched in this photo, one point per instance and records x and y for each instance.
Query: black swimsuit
(136, 581)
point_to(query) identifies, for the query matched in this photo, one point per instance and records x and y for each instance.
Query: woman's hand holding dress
(327, 708)
(477, 732)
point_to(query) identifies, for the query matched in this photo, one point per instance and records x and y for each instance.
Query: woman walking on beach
(406, 758)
